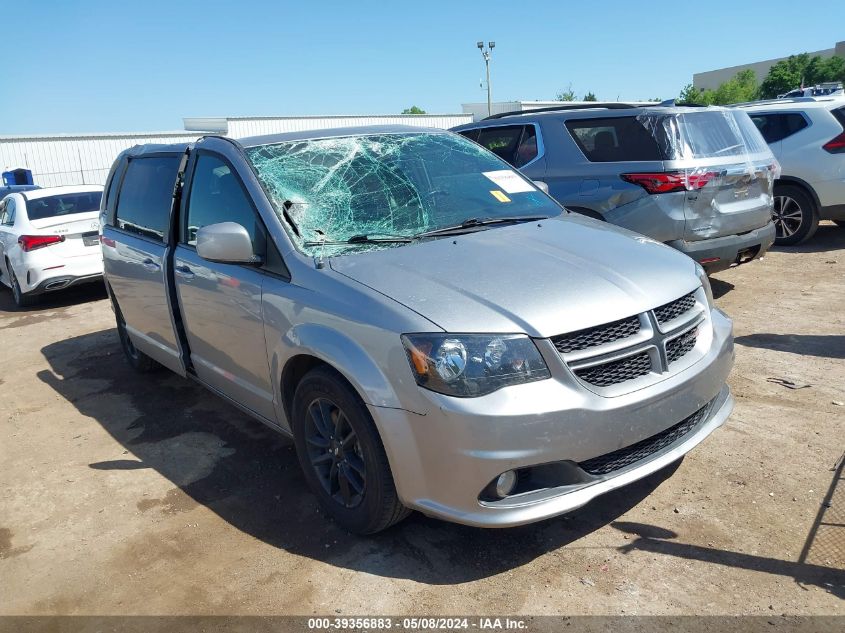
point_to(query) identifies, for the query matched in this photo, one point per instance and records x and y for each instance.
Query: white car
(807, 136)
(49, 240)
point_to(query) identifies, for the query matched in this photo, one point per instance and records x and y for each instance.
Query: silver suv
(807, 135)
(433, 331)
(697, 179)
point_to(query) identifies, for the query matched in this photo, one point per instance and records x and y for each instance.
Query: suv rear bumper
(727, 251)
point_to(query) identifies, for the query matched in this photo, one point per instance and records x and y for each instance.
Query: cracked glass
(327, 191)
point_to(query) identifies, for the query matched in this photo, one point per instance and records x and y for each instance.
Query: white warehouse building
(86, 158)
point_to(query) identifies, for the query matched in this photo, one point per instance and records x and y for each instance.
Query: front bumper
(442, 461)
(730, 249)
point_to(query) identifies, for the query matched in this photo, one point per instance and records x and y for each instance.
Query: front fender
(342, 353)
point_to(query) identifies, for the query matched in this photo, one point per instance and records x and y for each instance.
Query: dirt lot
(125, 494)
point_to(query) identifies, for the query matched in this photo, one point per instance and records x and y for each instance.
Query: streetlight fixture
(486, 55)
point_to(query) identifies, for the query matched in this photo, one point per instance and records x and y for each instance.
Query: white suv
(807, 135)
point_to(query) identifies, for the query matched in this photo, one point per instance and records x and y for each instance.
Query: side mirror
(541, 186)
(226, 242)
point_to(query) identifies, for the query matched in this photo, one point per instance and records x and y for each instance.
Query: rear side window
(217, 196)
(63, 204)
(614, 139)
(146, 195)
(516, 144)
(776, 127)
(7, 218)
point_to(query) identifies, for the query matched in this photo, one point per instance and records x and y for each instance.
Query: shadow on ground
(821, 345)
(828, 237)
(53, 300)
(657, 540)
(248, 475)
(720, 288)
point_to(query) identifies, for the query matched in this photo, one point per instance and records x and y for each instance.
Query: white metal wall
(240, 127)
(75, 160)
(86, 159)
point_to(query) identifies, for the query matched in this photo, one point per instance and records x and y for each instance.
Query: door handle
(150, 265)
(184, 271)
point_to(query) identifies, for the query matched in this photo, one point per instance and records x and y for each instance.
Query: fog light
(505, 483)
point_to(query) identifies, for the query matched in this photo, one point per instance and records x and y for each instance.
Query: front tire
(794, 214)
(342, 456)
(22, 299)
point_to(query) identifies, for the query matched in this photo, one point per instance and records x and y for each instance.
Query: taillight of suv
(32, 242)
(669, 181)
(836, 145)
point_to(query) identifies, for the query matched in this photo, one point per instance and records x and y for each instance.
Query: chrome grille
(679, 347)
(617, 460)
(595, 336)
(674, 309)
(616, 371)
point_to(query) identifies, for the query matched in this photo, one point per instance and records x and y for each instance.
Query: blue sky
(136, 66)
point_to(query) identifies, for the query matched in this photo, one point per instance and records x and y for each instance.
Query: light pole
(486, 55)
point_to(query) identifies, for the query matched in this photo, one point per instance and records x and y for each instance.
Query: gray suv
(697, 179)
(434, 331)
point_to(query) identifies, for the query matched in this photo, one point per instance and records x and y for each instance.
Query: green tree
(691, 94)
(739, 88)
(566, 95)
(590, 97)
(413, 110)
(784, 76)
(796, 70)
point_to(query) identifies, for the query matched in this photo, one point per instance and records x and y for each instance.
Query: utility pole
(486, 55)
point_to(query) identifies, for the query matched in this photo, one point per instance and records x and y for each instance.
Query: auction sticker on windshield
(509, 181)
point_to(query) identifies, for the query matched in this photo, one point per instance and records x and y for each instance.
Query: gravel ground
(124, 494)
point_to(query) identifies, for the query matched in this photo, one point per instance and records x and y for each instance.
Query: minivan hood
(541, 278)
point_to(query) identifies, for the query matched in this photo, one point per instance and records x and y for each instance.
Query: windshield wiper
(471, 223)
(286, 205)
(363, 239)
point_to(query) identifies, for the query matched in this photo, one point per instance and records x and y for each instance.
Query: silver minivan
(433, 330)
(697, 179)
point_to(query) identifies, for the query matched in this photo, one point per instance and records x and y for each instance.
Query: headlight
(705, 283)
(469, 365)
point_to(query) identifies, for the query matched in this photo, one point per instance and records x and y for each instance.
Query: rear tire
(137, 359)
(22, 299)
(342, 456)
(794, 214)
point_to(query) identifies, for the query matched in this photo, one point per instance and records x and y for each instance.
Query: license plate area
(91, 239)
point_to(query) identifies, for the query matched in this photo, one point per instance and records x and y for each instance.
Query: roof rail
(612, 105)
(784, 100)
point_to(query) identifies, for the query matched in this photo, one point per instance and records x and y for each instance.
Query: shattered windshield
(387, 186)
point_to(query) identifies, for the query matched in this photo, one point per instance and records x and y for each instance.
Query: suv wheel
(22, 299)
(794, 215)
(342, 456)
(137, 359)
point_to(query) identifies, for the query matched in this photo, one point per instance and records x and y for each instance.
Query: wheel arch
(308, 346)
(802, 184)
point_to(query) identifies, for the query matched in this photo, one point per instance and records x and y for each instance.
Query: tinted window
(776, 127)
(8, 215)
(143, 204)
(63, 204)
(502, 141)
(471, 134)
(614, 139)
(517, 144)
(217, 196)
